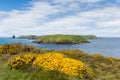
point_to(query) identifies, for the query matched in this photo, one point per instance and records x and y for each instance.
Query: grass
(104, 68)
(12, 74)
(18, 74)
(61, 39)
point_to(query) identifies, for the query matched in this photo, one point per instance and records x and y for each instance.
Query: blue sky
(8, 5)
(41, 17)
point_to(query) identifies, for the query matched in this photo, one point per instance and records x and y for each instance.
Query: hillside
(17, 64)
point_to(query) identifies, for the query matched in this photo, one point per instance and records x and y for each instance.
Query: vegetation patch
(61, 39)
(13, 49)
(26, 63)
(51, 61)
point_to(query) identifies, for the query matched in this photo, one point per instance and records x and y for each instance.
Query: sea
(107, 46)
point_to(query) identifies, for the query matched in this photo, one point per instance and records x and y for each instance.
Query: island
(61, 39)
(27, 37)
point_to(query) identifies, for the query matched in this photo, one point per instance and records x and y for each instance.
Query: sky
(43, 17)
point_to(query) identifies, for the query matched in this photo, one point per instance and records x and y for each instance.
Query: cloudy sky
(41, 17)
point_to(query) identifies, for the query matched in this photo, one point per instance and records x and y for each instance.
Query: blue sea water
(107, 46)
(7, 40)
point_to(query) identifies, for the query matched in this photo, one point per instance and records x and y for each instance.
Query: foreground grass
(104, 68)
(61, 39)
(7, 73)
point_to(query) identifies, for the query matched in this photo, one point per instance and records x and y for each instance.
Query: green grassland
(103, 68)
(61, 39)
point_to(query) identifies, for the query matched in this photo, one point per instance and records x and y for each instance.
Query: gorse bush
(51, 61)
(20, 60)
(56, 64)
(97, 55)
(1, 49)
(18, 48)
(57, 61)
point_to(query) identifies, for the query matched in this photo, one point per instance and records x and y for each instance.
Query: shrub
(51, 61)
(18, 48)
(1, 48)
(97, 55)
(21, 60)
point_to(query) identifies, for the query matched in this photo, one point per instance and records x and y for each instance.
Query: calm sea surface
(104, 46)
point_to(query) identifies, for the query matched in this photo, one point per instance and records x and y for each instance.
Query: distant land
(59, 38)
(27, 37)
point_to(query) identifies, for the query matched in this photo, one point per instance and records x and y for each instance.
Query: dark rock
(13, 37)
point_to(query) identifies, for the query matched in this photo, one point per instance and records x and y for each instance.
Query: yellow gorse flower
(22, 59)
(50, 61)
(1, 48)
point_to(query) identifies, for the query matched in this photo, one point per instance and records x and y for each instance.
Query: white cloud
(2, 13)
(98, 22)
(24, 20)
(36, 19)
(81, 1)
(76, 4)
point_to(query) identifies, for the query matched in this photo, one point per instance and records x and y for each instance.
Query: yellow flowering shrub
(8, 49)
(97, 55)
(50, 61)
(18, 48)
(111, 58)
(22, 59)
(72, 67)
(1, 49)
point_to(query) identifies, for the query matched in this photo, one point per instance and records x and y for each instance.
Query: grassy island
(61, 39)
(22, 62)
